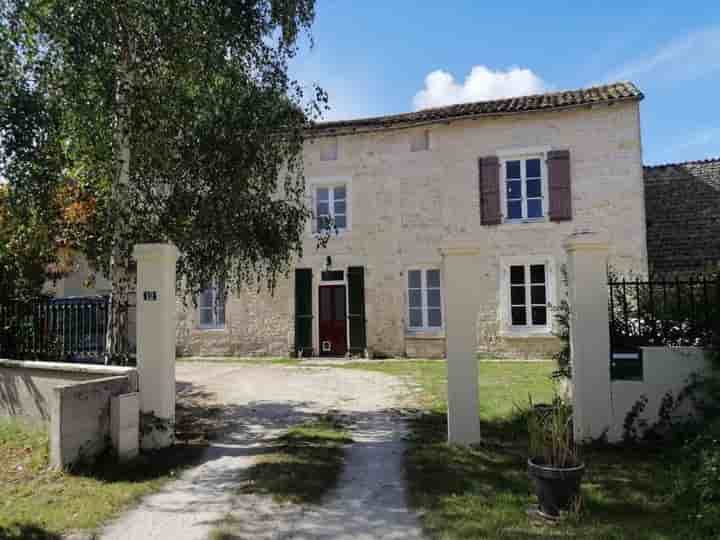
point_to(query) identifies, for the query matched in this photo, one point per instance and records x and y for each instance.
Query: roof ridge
(558, 99)
(689, 162)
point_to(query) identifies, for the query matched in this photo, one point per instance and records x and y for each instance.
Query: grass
(484, 492)
(41, 503)
(306, 463)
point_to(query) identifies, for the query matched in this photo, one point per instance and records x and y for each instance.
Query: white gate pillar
(589, 334)
(156, 324)
(462, 302)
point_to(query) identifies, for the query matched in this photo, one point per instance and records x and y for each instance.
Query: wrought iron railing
(63, 329)
(664, 312)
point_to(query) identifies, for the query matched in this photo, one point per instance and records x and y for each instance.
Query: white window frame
(522, 155)
(527, 330)
(424, 300)
(330, 183)
(214, 325)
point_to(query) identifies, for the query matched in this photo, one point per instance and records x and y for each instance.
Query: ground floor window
(528, 295)
(211, 306)
(424, 299)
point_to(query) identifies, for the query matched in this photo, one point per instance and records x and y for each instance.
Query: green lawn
(484, 492)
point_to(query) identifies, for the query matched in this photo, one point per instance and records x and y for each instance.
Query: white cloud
(480, 85)
(689, 57)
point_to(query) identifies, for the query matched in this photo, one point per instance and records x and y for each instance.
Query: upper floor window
(420, 140)
(211, 306)
(528, 295)
(331, 207)
(329, 149)
(424, 300)
(525, 186)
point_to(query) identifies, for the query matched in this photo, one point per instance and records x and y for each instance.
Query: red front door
(333, 334)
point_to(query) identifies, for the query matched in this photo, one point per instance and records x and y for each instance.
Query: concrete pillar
(156, 324)
(462, 301)
(589, 334)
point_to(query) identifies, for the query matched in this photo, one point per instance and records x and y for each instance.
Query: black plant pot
(556, 488)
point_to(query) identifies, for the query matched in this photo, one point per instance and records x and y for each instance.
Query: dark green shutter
(303, 312)
(356, 309)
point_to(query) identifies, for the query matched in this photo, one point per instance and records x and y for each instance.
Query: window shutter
(303, 311)
(356, 309)
(489, 190)
(558, 163)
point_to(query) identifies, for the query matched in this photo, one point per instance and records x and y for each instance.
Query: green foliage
(177, 117)
(550, 431)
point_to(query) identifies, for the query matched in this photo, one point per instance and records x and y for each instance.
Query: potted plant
(554, 463)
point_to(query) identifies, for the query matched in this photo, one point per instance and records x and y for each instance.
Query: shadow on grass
(22, 531)
(305, 463)
(484, 491)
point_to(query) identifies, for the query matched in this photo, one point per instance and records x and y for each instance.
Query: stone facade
(682, 202)
(404, 206)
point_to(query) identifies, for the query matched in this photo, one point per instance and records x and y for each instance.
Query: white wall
(665, 369)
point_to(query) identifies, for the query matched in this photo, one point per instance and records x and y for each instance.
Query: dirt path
(260, 403)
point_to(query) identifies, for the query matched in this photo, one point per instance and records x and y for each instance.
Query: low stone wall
(665, 369)
(75, 401)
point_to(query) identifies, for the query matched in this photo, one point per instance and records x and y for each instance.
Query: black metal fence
(664, 312)
(63, 329)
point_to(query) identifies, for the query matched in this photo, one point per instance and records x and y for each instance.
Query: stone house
(516, 176)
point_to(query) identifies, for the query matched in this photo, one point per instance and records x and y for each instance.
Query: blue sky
(378, 57)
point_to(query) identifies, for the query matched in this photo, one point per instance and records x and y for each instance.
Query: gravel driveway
(260, 402)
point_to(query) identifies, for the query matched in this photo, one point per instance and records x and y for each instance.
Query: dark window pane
(206, 298)
(339, 207)
(322, 209)
(517, 275)
(415, 298)
(339, 192)
(534, 188)
(322, 194)
(434, 318)
(414, 279)
(433, 298)
(512, 169)
(532, 168)
(340, 222)
(220, 315)
(517, 295)
(514, 210)
(332, 275)
(205, 316)
(537, 273)
(539, 315)
(415, 317)
(519, 316)
(537, 294)
(433, 278)
(534, 208)
(514, 189)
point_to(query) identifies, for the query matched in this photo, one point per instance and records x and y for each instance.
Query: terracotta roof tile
(620, 91)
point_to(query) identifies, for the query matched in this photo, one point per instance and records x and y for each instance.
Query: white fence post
(462, 301)
(589, 334)
(156, 324)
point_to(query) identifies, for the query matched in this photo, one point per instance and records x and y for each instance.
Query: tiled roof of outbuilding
(682, 206)
(620, 91)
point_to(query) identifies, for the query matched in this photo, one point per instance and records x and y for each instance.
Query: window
(211, 306)
(524, 188)
(424, 300)
(331, 208)
(420, 140)
(528, 295)
(328, 149)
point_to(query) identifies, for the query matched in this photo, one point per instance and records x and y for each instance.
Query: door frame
(316, 308)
